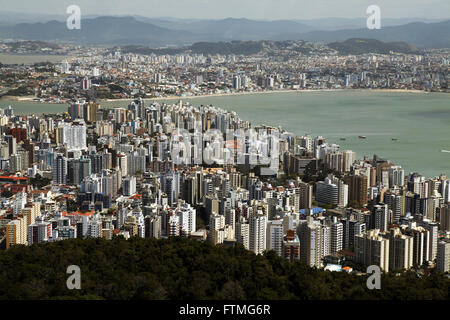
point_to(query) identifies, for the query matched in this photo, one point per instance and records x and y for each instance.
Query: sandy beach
(30, 98)
(269, 92)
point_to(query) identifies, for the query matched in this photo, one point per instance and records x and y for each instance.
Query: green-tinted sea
(419, 121)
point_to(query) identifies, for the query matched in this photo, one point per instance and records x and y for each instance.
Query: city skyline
(313, 164)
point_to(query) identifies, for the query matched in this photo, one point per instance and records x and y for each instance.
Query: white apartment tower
(371, 248)
(275, 236)
(443, 256)
(257, 233)
(336, 236)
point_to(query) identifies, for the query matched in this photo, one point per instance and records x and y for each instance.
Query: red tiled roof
(64, 213)
(13, 178)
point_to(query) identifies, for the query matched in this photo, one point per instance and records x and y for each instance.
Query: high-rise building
(211, 205)
(275, 236)
(18, 161)
(74, 135)
(65, 66)
(306, 191)
(242, 234)
(237, 82)
(396, 176)
(39, 232)
(76, 110)
(291, 246)
(445, 218)
(433, 229)
(78, 169)
(351, 228)
(94, 229)
(342, 190)
(16, 232)
(395, 204)
(12, 143)
(348, 158)
(60, 170)
(187, 216)
(372, 248)
(443, 256)
(314, 244)
(30, 212)
(400, 250)
(216, 228)
(380, 217)
(153, 226)
(357, 189)
(90, 111)
(336, 236)
(327, 192)
(445, 190)
(170, 184)
(269, 82)
(257, 233)
(85, 83)
(334, 161)
(129, 186)
(421, 248)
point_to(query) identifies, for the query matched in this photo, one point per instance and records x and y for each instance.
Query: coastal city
(225, 158)
(156, 170)
(125, 73)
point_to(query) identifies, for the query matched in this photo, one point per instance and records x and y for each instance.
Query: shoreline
(214, 95)
(35, 106)
(272, 92)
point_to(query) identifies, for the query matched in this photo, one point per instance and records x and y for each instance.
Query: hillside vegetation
(185, 269)
(361, 46)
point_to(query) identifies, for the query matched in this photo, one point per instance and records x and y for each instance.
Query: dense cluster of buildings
(107, 74)
(94, 172)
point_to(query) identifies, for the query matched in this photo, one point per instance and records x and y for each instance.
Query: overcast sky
(253, 9)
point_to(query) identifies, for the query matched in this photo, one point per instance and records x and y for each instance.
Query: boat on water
(394, 139)
(342, 139)
(447, 151)
(362, 137)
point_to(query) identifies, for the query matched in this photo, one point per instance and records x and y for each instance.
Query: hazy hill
(163, 32)
(100, 30)
(360, 46)
(245, 29)
(333, 24)
(237, 47)
(431, 35)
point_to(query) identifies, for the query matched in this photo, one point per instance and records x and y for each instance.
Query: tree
(39, 182)
(182, 268)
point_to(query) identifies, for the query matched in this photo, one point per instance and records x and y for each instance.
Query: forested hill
(361, 46)
(186, 269)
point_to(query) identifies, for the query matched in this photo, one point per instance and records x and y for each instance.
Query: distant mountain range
(279, 48)
(154, 32)
(101, 30)
(426, 35)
